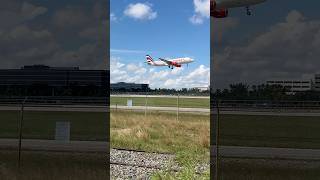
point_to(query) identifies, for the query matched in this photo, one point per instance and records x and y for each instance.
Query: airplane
(177, 62)
(219, 8)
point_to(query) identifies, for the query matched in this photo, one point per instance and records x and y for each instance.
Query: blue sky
(165, 29)
(280, 41)
(54, 33)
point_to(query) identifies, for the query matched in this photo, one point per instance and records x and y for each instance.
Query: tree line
(242, 91)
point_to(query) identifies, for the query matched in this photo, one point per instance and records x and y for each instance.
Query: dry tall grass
(159, 131)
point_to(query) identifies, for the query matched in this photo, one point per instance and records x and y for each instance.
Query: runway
(102, 147)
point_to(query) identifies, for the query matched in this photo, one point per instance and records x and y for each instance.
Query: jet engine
(176, 64)
(217, 13)
(220, 13)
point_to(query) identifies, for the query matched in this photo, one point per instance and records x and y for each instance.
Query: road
(152, 108)
(92, 108)
(57, 108)
(267, 152)
(160, 96)
(57, 146)
(100, 146)
(261, 112)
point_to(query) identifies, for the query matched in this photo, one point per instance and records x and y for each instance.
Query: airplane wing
(166, 61)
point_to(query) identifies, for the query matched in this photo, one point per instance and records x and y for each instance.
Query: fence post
(146, 102)
(178, 108)
(217, 140)
(20, 131)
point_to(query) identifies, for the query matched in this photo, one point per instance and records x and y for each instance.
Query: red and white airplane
(168, 62)
(219, 8)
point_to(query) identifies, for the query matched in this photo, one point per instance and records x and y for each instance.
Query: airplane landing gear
(249, 13)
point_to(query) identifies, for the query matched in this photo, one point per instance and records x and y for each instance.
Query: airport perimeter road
(160, 96)
(151, 108)
(59, 108)
(268, 153)
(56, 146)
(92, 108)
(270, 113)
(100, 146)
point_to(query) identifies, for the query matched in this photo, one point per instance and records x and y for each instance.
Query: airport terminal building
(316, 85)
(41, 80)
(129, 87)
(292, 86)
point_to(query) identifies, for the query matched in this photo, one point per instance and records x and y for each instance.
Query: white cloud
(113, 17)
(127, 51)
(140, 11)
(201, 11)
(221, 26)
(136, 69)
(196, 19)
(160, 77)
(30, 11)
(285, 50)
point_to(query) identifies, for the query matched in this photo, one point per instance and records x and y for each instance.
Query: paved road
(160, 96)
(91, 108)
(57, 108)
(151, 108)
(52, 145)
(266, 152)
(269, 113)
(225, 151)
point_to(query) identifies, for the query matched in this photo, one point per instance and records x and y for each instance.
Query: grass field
(270, 131)
(266, 169)
(52, 166)
(162, 102)
(188, 138)
(241, 130)
(41, 125)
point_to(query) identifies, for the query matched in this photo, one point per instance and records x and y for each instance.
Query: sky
(55, 33)
(280, 41)
(166, 29)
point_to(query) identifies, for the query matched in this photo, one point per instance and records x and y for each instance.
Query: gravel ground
(141, 165)
(137, 165)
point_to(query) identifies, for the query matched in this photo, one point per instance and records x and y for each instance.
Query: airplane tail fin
(149, 59)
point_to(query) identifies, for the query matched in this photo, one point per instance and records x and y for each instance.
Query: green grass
(162, 102)
(270, 131)
(266, 169)
(41, 125)
(52, 166)
(240, 130)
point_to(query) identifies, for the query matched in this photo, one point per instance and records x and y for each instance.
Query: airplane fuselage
(182, 60)
(220, 8)
(220, 4)
(177, 62)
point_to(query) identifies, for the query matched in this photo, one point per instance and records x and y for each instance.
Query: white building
(202, 89)
(293, 86)
(316, 84)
